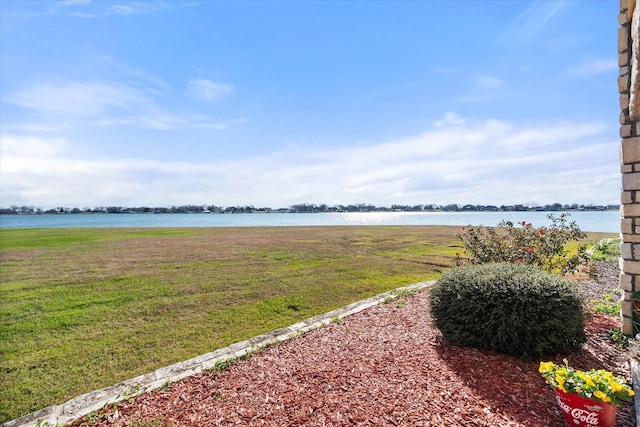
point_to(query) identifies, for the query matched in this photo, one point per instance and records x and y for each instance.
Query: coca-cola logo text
(585, 416)
(588, 417)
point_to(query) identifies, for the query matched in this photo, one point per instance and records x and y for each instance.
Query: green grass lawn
(82, 309)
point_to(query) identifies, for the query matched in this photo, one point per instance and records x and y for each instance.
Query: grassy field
(81, 309)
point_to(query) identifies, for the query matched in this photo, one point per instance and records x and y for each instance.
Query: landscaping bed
(384, 366)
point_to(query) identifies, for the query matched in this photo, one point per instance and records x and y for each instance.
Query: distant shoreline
(305, 208)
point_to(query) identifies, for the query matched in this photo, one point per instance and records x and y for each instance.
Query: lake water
(601, 221)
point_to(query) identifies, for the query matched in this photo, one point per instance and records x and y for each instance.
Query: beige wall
(629, 87)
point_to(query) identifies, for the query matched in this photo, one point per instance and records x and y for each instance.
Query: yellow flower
(600, 395)
(601, 385)
(607, 375)
(545, 366)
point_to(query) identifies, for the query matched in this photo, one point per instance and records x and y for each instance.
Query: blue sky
(274, 103)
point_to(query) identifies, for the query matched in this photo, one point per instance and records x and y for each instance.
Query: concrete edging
(80, 406)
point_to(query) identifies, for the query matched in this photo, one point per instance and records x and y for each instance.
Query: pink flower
(519, 259)
(529, 251)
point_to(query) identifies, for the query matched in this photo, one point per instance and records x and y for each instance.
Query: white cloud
(483, 87)
(595, 66)
(489, 82)
(105, 9)
(120, 9)
(102, 103)
(208, 90)
(132, 73)
(79, 99)
(31, 128)
(490, 162)
(530, 22)
(451, 118)
(73, 2)
(31, 147)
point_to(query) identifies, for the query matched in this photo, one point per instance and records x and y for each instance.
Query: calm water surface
(605, 221)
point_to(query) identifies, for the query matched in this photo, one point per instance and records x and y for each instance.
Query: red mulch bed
(385, 366)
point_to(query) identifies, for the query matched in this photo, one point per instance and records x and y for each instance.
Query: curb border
(82, 405)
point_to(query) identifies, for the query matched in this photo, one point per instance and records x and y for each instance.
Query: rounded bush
(511, 308)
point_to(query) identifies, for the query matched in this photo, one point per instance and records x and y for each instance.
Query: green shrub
(544, 247)
(607, 305)
(510, 308)
(605, 250)
(619, 338)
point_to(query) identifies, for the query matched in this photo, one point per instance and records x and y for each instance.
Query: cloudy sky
(274, 103)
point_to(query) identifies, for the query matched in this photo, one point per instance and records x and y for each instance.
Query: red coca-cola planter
(582, 412)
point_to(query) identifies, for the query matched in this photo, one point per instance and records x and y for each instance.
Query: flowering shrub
(600, 385)
(544, 247)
